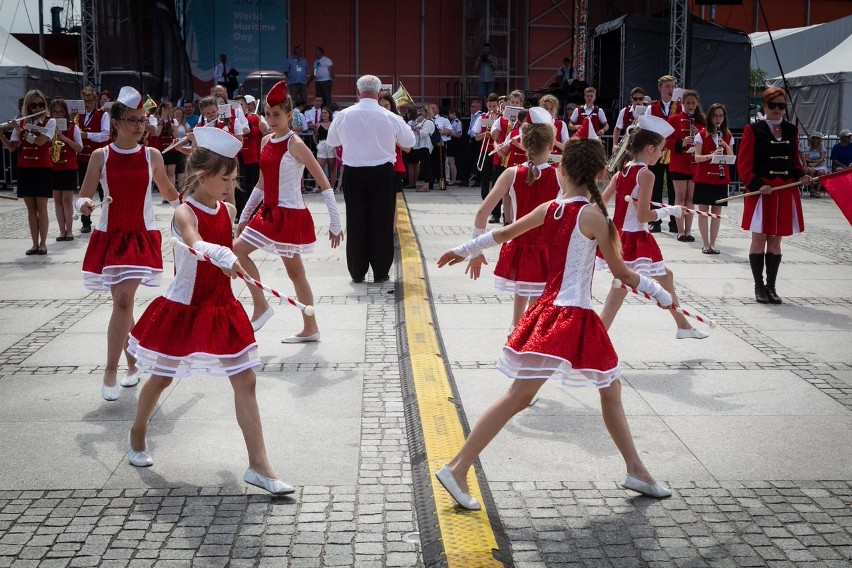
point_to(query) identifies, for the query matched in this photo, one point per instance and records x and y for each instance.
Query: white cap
(539, 115)
(250, 100)
(844, 133)
(130, 97)
(655, 124)
(218, 141)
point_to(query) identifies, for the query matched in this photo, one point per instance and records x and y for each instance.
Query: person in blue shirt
(841, 153)
(297, 75)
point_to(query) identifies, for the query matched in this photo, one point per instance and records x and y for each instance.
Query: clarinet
(692, 133)
(719, 145)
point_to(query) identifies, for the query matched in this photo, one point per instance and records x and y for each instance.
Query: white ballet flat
(274, 486)
(650, 489)
(691, 333)
(110, 393)
(299, 339)
(129, 380)
(139, 459)
(264, 317)
(448, 480)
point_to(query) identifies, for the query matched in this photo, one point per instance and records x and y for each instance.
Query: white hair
(369, 84)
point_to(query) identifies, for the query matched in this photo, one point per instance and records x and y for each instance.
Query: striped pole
(616, 283)
(695, 211)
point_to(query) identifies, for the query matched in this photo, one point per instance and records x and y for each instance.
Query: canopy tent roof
(836, 61)
(797, 46)
(16, 54)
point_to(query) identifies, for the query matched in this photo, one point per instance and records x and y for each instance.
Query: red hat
(586, 132)
(277, 94)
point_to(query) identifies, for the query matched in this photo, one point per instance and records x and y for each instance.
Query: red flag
(839, 187)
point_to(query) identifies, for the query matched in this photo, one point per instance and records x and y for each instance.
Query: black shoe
(760, 294)
(86, 229)
(654, 228)
(673, 227)
(772, 296)
(495, 219)
(358, 280)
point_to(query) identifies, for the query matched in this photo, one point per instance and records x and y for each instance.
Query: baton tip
(309, 310)
(173, 241)
(616, 283)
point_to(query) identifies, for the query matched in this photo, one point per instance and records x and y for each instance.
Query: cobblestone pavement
(711, 520)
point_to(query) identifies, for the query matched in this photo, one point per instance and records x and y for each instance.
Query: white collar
(368, 101)
(124, 150)
(774, 122)
(203, 207)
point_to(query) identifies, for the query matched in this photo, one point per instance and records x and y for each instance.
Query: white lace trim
(641, 266)
(576, 287)
(284, 250)
(207, 364)
(523, 289)
(532, 365)
(113, 275)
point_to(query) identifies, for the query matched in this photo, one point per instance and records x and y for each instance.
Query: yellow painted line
(467, 536)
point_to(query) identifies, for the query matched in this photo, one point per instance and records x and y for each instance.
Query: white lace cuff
(253, 201)
(334, 224)
(175, 203)
(653, 289)
(222, 257)
(474, 247)
(664, 212)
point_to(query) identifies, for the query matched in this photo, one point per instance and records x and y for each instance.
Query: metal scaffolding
(679, 40)
(89, 42)
(581, 17)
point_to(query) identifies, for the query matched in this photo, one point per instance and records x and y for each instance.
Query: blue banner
(252, 33)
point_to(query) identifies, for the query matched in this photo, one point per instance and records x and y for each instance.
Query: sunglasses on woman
(776, 106)
(37, 105)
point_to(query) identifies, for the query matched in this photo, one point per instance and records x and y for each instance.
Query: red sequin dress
(197, 327)
(125, 244)
(283, 224)
(522, 265)
(560, 336)
(639, 249)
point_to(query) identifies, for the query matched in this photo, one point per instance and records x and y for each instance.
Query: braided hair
(583, 162)
(537, 140)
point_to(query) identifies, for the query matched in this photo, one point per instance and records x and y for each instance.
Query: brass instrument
(56, 146)
(483, 149)
(507, 142)
(401, 97)
(149, 104)
(719, 145)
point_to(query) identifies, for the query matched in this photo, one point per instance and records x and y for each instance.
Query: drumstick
(616, 283)
(185, 139)
(695, 211)
(107, 199)
(309, 310)
(785, 186)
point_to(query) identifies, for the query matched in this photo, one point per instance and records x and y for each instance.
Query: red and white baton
(695, 211)
(309, 310)
(617, 283)
(107, 199)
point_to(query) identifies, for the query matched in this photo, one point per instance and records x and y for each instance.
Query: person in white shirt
(439, 156)
(369, 135)
(241, 125)
(220, 72)
(628, 115)
(455, 149)
(591, 110)
(323, 73)
(314, 114)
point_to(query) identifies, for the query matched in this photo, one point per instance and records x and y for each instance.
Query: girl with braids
(522, 266)
(561, 337)
(640, 251)
(173, 340)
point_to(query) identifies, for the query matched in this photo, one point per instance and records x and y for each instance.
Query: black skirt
(64, 180)
(35, 182)
(677, 176)
(172, 157)
(708, 194)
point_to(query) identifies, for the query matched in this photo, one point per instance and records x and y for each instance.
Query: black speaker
(719, 2)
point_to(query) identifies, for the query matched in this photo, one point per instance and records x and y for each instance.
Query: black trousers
(250, 174)
(82, 168)
(660, 172)
(370, 195)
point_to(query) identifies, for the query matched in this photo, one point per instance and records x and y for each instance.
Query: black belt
(382, 166)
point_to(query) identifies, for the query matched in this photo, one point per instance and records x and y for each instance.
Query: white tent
(22, 69)
(797, 46)
(822, 91)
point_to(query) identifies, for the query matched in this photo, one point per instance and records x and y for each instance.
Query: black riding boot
(773, 261)
(756, 262)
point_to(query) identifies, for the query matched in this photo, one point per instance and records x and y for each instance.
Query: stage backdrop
(252, 33)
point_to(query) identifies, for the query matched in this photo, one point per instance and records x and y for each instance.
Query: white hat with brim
(655, 124)
(539, 115)
(130, 97)
(218, 141)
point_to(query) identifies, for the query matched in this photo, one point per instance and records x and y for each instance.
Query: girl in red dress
(35, 168)
(768, 157)
(711, 180)
(640, 251)
(686, 125)
(561, 336)
(173, 338)
(522, 265)
(125, 248)
(283, 224)
(64, 182)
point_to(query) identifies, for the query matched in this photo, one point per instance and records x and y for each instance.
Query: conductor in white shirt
(369, 135)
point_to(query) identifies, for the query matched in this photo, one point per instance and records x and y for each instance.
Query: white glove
(78, 205)
(475, 246)
(674, 210)
(253, 201)
(175, 203)
(653, 289)
(222, 257)
(333, 214)
(474, 233)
